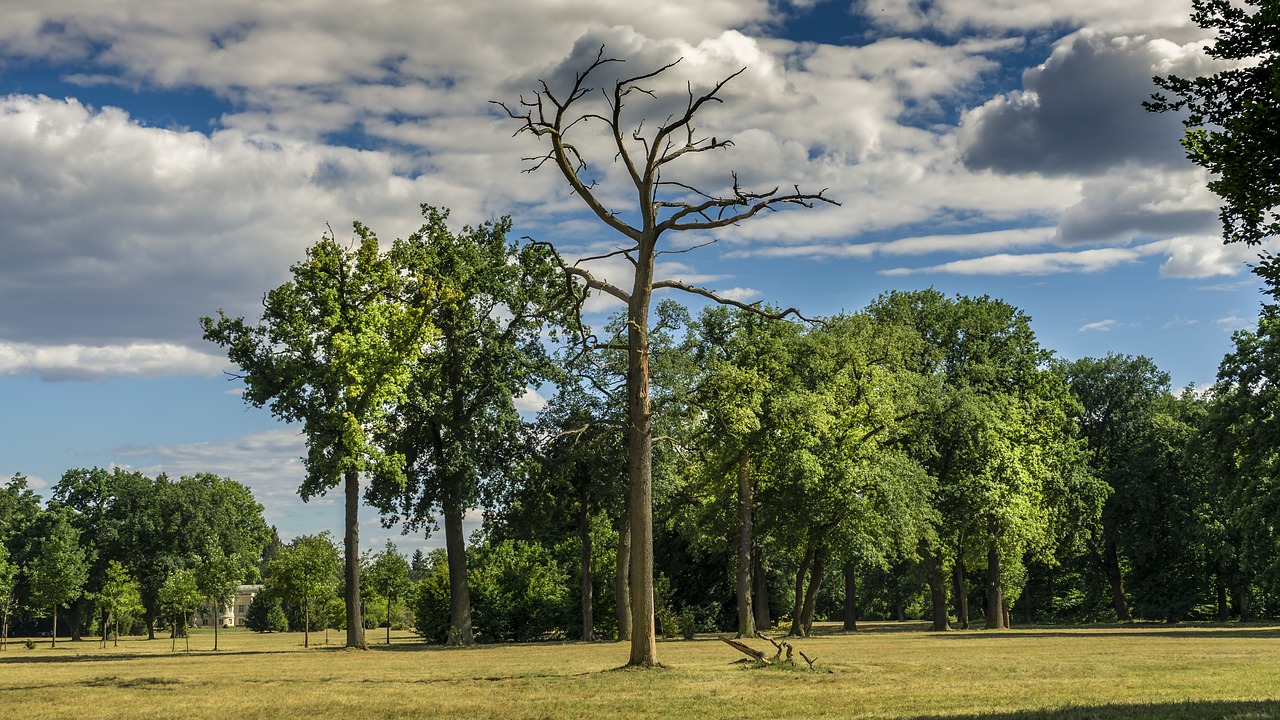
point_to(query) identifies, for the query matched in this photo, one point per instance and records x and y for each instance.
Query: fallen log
(747, 650)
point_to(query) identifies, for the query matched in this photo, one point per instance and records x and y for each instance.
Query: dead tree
(662, 205)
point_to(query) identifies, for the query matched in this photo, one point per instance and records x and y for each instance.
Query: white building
(233, 612)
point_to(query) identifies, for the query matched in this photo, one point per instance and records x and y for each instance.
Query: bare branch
(749, 307)
(712, 241)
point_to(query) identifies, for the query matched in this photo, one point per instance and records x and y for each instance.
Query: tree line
(923, 458)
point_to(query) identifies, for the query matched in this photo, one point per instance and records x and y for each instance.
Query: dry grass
(883, 671)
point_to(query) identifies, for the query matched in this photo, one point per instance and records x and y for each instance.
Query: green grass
(885, 671)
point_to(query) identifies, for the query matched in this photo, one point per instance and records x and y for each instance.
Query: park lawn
(886, 670)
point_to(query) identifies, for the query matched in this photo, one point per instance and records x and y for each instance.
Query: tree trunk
(960, 588)
(53, 637)
(995, 599)
(326, 624)
(622, 576)
(216, 622)
(1224, 610)
(1005, 616)
(811, 595)
(1242, 602)
(351, 546)
(456, 549)
(644, 648)
(798, 605)
(584, 534)
(1108, 561)
(746, 539)
(937, 590)
(151, 626)
(76, 616)
(760, 590)
(306, 621)
(850, 597)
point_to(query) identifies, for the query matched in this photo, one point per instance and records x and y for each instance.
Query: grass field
(887, 670)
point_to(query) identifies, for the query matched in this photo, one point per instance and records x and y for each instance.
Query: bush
(265, 614)
(518, 591)
(430, 600)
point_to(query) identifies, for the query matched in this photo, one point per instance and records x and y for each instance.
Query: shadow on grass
(125, 656)
(1144, 630)
(1192, 710)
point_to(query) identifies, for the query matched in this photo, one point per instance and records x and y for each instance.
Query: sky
(161, 160)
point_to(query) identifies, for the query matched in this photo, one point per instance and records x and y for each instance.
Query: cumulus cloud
(1016, 15)
(80, 362)
(120, 234)
(530, 401)
(1079, 112)
(1139, 201)
(269, 463)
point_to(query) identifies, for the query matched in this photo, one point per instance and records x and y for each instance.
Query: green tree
(664, 205)
(120, 595)
(746, 363)
(217, 575)
(458, 426)
(1233, 120)
(334, 350)
(389, 575)
(1242, 428)
(59, 569)
(305, 574)
(180, 596)
(1118, 394)
(265, 614)
(999, 438)
(8, 576)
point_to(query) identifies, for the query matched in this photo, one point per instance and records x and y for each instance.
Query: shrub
(518, 591)
(265, 614)
(430, 600)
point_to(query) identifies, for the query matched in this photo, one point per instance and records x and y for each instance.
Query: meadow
(886, 670)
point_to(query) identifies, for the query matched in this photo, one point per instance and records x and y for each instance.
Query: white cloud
(1231, 323)
(1048, 263)
(82, 362)
(530, 401)
(1099, 326)
(741, 294)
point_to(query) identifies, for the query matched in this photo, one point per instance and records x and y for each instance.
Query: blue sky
(163, 160)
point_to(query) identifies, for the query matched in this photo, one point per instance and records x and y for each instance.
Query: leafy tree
(1233, 120)
(1168, 537)
(458, 426)
(334, 350)
(305, 574)
(389, 574)
(999, 439)
(59, 569)
(1242, 427)
(265, 614)
(1118, 393)
(663, 205)
(8, 576)
(747, 362)
(179, 597)
(120, 595)
(217, 575)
